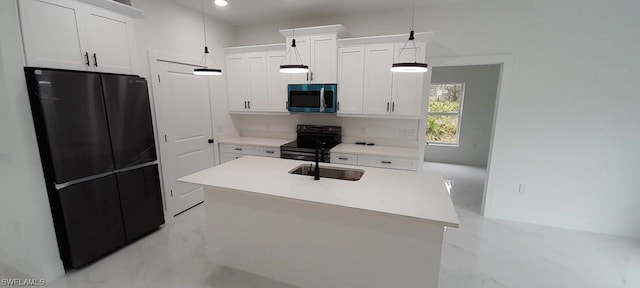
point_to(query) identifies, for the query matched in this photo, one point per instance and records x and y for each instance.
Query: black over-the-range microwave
(312, 98)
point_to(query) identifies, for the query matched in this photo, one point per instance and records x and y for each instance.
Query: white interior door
(184, 128)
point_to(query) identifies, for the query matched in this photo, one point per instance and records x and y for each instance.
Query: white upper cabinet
(350, 79)
(51, 32)
(277, 82)
(72, 35)
(406, 97)
(237, 88)
(319, 52)
(377, 79)
(254, 81)
(258, 95)
(110, 41)
(367, 87)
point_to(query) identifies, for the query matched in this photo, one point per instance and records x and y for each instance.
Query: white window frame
(459, 114)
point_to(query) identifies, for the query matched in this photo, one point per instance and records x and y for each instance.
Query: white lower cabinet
(374, 161)
(341, 158)
(386, 162)
(230, 152)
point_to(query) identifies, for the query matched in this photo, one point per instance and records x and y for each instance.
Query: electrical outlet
(407, 132)
(522, 188)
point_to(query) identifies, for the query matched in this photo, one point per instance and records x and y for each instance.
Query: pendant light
(415, 66)
(298, 66)
(204, 70)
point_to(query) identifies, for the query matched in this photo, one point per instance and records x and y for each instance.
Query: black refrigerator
(95, 137)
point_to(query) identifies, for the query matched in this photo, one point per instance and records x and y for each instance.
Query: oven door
(304, 156)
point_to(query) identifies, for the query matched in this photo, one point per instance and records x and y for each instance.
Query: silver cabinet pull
(385, 162)
(322, 105)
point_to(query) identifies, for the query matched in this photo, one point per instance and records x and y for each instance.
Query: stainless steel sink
(329, 172)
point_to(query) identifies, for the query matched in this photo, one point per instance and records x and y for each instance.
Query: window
(444, 113)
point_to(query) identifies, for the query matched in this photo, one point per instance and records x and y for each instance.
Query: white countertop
(253, 141)
(418, 195)
(375, 150)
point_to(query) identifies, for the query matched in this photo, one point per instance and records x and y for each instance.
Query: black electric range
(308, 136)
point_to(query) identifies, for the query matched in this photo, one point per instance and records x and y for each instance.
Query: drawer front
(240, 149)
(387, 162)
(270, 152)
(340, 158)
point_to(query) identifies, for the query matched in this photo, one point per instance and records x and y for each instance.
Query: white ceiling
(248, 12)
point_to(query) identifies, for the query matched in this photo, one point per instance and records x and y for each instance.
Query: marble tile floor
(482, 253)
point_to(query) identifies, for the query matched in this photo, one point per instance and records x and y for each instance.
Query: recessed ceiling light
(221, 2)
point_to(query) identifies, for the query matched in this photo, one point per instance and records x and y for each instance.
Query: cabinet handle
(393, 106)
(95, 60)
(385, 162)
(238, 149)
(287, 103)
(210, 141)
(245, 104)
(343, 158)
(270, 152)
(86, 57)
(307, 76)
(387, 106)
(338, 106)
(311, 75)
(249, 104)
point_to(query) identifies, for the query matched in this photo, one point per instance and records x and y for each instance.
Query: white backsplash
(388, 132)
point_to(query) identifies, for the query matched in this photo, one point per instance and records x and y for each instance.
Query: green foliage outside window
(444, 112)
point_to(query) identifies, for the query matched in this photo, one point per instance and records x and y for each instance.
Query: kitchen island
(384, 230)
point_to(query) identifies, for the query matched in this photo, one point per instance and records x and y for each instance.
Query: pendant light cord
(411, 36)
(204, 29)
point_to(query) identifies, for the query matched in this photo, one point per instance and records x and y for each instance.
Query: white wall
(567, 126)
(481, 87)
(27, 241)
(177, 30)
(378, 131)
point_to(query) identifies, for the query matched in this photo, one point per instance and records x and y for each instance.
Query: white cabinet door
(351, 80)
(226, 157)
(407, 87)
(277, 82)
(110, 41)
(377, 78)
(323, 59)
(50, 32)
(304, 52)
(257, 81)
(237, 90)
